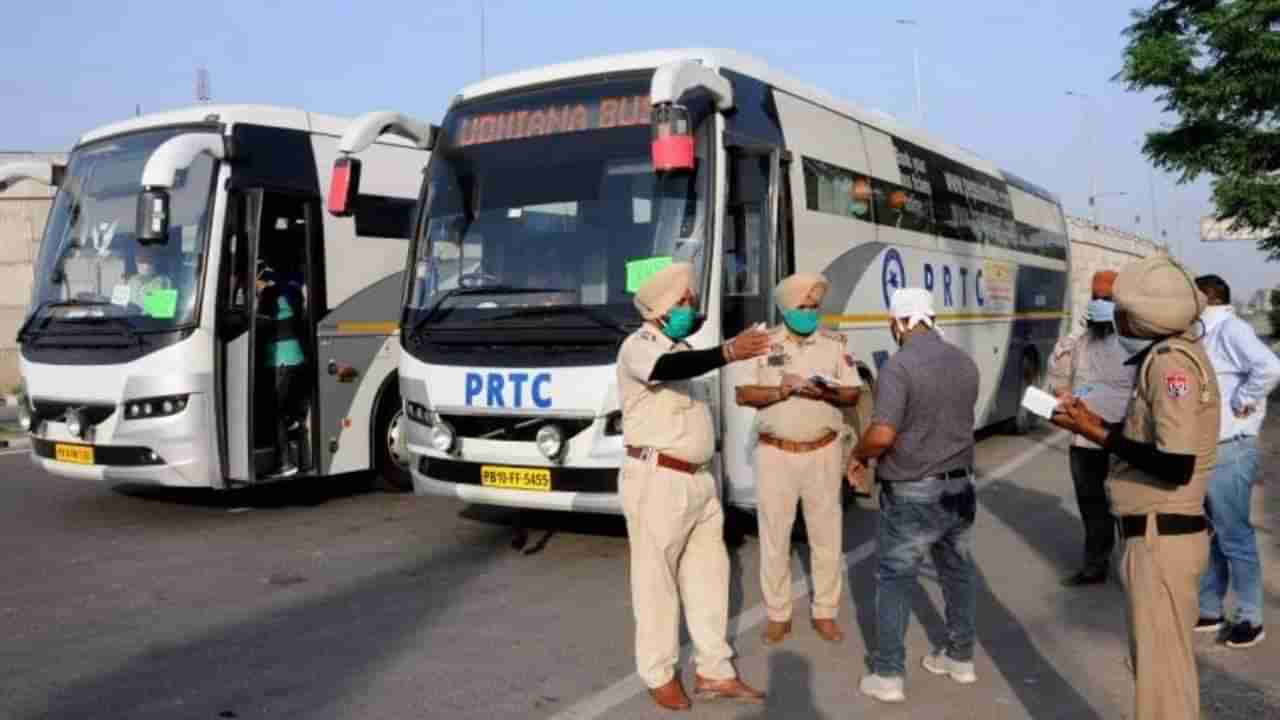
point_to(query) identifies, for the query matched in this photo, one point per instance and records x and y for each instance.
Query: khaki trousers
(1162, 582)
(675, 525)
(812, 480)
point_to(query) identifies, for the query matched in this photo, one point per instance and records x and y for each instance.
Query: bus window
(745, 235)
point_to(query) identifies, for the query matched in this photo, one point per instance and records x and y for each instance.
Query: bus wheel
(392, 471)
(1024, 421)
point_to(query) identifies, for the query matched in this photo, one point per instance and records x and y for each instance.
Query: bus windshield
(548, 200)
(90, 264)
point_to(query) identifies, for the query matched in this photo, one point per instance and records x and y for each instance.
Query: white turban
(915, 305)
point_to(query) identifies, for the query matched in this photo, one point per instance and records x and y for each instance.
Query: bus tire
(391, 471)
(1023, 420)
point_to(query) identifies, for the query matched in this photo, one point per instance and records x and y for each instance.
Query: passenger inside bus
(282, 390)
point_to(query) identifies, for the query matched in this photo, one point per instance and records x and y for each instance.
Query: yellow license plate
(515, 478)
(78, 454)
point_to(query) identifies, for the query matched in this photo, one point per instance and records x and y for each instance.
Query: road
(299, 602)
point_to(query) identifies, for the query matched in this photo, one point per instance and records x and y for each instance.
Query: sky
(993, 75)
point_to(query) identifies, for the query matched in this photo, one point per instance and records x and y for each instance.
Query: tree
(1215, 66)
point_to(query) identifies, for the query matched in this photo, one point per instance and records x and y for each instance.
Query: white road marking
(15, 451)
(598, 705)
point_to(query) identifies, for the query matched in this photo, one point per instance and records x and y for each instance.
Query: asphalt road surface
(333, 602)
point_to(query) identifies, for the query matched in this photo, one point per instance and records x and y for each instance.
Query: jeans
(1233, 549)
(915, 518)
(1089, 468)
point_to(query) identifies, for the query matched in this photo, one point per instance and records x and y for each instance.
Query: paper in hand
(1039, 402)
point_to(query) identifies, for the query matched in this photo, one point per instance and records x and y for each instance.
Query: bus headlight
(75, 422)
(155, 407)
(550, 441)
(442, 437)
(24, 415)
(418, 413)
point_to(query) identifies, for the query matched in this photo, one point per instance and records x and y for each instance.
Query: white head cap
(915, 305)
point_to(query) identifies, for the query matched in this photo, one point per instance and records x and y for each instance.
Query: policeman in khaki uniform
(1165, 448)
(799, 390)
(675, 522)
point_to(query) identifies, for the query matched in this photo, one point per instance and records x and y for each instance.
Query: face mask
(1133, 345)
(801, 322)
(145, 270)
(1100, 311)
(679, 323)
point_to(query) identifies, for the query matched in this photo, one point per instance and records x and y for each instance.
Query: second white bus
(552, 192)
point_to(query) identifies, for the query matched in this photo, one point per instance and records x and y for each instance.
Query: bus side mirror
(153, 216)
(344, 186)
(671, 143)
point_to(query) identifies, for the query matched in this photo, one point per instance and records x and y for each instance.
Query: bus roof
(268, 115)
(747, 65)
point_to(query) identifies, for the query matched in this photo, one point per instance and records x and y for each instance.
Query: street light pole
(1093, 149)
(915, 62)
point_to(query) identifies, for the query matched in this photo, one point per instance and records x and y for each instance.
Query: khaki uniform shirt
(662, 416)
(1175, 406)
(822, 353)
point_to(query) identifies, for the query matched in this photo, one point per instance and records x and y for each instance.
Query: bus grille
(56, 410)
(511, 428)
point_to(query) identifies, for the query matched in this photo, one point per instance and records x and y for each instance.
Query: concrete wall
(23, 210)
(1099, 248)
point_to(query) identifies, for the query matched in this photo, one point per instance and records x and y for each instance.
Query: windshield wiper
(586, 311)
(461, 291)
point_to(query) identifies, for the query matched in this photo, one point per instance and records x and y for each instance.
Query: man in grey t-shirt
(922, 433)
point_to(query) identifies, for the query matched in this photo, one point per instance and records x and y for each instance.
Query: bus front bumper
(461, 479)
(170, 451)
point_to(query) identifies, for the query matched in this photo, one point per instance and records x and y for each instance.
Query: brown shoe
(731, 689)
(828, 630)
(671, 696)
(775, 632)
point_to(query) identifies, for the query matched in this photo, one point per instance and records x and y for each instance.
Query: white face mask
(145, 269)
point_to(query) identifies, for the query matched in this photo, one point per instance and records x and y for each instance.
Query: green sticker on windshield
(162, 304)
(638, 271)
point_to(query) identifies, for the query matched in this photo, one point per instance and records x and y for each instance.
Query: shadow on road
(791, 693)
(299, 492)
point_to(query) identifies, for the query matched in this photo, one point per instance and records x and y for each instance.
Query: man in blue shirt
(1247, 372)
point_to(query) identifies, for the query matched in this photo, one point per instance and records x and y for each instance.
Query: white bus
(551, 194)
(160, 377)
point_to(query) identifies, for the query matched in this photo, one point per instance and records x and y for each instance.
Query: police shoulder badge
(1176, 384)
(848, 359)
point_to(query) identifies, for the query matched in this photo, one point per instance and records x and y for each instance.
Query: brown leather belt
(1136, 525)
(666, 461)
(798, 446)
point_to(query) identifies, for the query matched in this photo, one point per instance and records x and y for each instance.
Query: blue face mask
(679, 323)
(1100, 311)
(801, 322)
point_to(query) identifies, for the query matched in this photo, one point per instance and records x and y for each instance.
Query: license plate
(515, 478)
(78, 454)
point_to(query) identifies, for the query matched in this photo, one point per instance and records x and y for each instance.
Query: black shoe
(1085, 577)
(1209, 624)
(1245, 635)
(285, 471)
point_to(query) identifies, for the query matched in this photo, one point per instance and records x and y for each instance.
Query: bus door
(236, 335)
(754, 260)
(265, 431)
